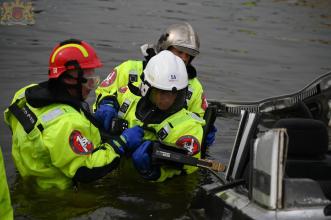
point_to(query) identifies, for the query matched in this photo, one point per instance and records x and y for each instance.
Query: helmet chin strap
(142, 89)
(80, 78)
(134, 89)
(80, 81)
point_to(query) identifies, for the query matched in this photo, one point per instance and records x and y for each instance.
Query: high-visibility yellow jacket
(51, 143)
(182, 130)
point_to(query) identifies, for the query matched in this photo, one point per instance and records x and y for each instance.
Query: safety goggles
(92, 81)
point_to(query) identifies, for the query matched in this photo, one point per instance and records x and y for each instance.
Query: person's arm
(123, 144)
(197, 102)
(76, 149)
(107, 88)
(107, 110)
(185, 136)
(75, 145)
(117, 79)
(85, 174)
(199, 105)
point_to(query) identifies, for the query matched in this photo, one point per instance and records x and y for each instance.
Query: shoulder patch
(189, 143)
(204, 103)
(110, 79)
(80, 144)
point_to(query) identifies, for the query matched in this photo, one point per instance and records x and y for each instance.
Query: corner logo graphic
(80, 144)
(172, 77)
(189, 143)
(17, 13)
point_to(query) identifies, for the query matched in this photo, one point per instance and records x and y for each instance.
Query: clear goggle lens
(92, 81)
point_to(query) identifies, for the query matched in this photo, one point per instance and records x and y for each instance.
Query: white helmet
(181, 36)
(164, 71)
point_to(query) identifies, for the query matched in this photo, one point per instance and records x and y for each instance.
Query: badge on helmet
(164, 71)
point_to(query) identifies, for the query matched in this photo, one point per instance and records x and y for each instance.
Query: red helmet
(72, 54)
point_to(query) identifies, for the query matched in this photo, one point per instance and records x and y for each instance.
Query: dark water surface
(250, 50)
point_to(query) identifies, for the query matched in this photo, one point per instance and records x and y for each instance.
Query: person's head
(182, 40)
(72, 63)
(165, 82)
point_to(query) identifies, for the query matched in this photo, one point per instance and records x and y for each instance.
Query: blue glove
(142, 161)
(210, 139)
(105, 113)
(133, 138)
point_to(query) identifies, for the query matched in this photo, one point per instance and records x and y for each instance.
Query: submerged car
(280, 164)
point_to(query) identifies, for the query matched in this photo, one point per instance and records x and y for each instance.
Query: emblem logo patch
(109, 80)
(80, 144)
(17, 12)
(189, 143)
(204, 104)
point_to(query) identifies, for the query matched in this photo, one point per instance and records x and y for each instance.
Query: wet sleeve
(85, 175)
(186, 135)
(75, 146)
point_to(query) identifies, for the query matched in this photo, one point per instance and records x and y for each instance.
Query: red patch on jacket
(109, 80)
(189, 143)
(204, 103)
(123, 89)
(80, 144)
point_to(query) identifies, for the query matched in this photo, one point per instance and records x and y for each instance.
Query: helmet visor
(190, 51)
